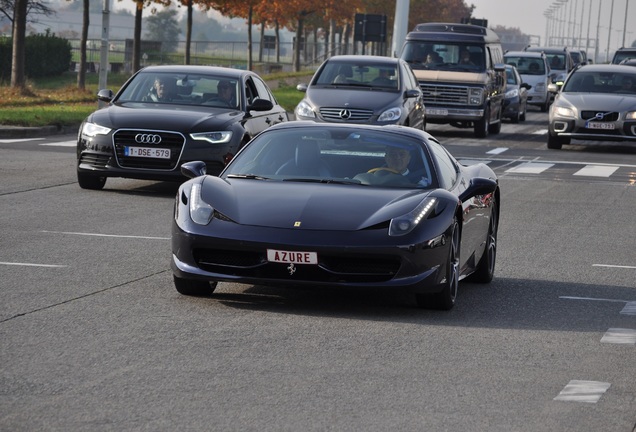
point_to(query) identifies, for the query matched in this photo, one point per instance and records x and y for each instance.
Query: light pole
(625, 23)
(609, 33)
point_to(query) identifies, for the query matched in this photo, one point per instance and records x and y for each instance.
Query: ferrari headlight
(218, 137)
(564, 112)
(390, 115)
(631, 115)
(512, 93)
(303, 109)
(92, 129)
(200, 211)
(405, 224)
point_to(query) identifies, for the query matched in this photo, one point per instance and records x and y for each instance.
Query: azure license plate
(599, 125)
(294, 257)
(149, 152)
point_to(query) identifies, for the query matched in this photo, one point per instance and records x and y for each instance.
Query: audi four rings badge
(147, 139)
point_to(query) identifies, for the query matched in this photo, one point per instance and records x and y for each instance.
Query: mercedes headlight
(303, 109)
(390, 115)
(512, 93)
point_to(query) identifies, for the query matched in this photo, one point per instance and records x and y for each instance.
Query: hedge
(45, 55)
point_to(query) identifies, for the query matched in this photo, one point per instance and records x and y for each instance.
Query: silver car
(596, 102)
(534, 70)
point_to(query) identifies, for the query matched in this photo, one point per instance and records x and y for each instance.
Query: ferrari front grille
(330, 268)
(173, 141)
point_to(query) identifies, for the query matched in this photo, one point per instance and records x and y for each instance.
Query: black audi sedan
(363, 89)
(165, 116)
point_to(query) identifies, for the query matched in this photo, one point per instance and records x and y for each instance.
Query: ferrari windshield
(335, 155)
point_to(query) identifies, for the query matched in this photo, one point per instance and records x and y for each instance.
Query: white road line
(614, 266)
(583, 391)
(530, 168)
(497, 150)
(473, 161)
(596, 171)
(540, 132)
(619, 336)
(595, 299)
(107, 235)
(17, 140)
(32, 265)
(629, 309)
(61, 144)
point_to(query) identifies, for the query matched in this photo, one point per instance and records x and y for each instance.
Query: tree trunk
(249, 38)
(188, 33)
(136, 60)
(18, 78)
(81, 74)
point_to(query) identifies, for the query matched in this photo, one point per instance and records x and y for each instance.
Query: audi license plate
(295, 257)
(599, 125)
(148, 152)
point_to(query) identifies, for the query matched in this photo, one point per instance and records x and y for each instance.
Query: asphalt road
(94, 337)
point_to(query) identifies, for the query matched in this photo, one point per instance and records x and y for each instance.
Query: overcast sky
(527, 15)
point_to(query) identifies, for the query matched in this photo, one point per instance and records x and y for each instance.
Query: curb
(8, 132)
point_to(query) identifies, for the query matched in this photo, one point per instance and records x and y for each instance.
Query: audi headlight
(200, 211)
(92, 129)
(303, 109)
(218, 137)
(512, 93)
(631, 115)
(390, 115)
(405, 224)
(475, 96)
(564, 112)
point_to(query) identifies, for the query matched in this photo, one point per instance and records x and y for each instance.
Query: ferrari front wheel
(445, 299)
(486, 268)
(191, 287)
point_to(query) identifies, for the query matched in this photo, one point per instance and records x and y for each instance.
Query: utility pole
(400, 25)
(103, 61)
(609, 33)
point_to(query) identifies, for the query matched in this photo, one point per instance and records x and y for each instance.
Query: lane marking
(17, 140)
(596, 171)
(32, 265)
(540, 132)
(629, 309)
(497, 150)
(107, 235)
(530, 168)
(614, 266)
(583, 391)
(619, 336)
(595, 299)
(61, 144)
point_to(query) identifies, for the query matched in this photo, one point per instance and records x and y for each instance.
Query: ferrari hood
(311, 206)
(147, 116)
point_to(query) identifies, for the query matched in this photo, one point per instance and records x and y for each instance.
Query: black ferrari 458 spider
(351, 206)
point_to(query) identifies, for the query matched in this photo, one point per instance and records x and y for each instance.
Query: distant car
(534, 70)
(164, 116)
(597, 102)
(338, 205)
(559, 60)
(363, 89)
(516, 98)
(629, 62)
(623, 54)
(579, 57)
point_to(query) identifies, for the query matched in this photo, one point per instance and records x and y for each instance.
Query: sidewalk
(16, 132)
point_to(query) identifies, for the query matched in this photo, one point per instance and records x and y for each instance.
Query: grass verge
(57, 101)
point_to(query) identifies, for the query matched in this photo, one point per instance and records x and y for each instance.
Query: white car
(534, 70)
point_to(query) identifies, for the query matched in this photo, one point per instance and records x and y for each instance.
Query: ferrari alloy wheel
(192, 287)
(486, 267)
(445, 299)
(87, 181)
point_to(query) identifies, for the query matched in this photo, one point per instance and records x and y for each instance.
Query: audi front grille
(346, 114)
(173, 141)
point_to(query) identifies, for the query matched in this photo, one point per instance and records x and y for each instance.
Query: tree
(19, 35)
(163, 26)
(81, 73)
